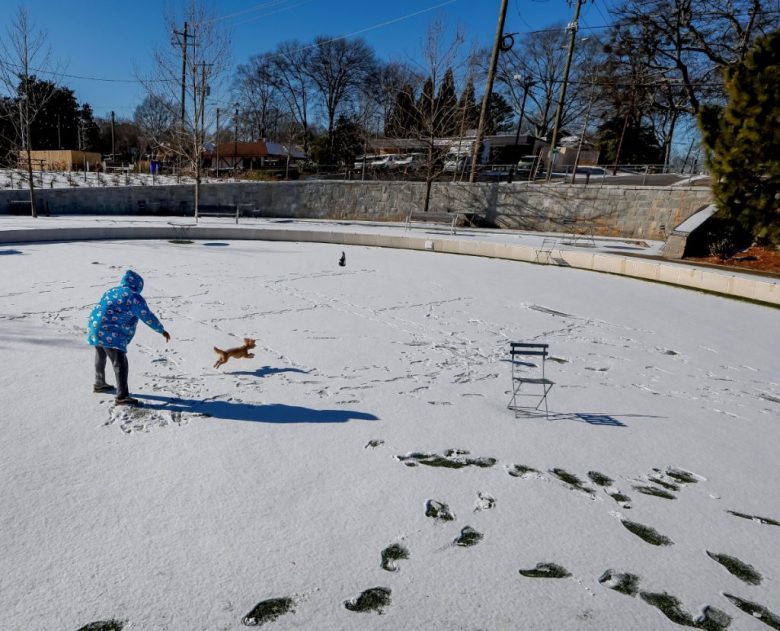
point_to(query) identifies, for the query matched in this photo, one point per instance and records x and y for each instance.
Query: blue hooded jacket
(113, 320)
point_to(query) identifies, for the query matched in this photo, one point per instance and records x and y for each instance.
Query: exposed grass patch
(683, 477)
(625, 583)
(373, 599)
(619, 497)
(669, 606)
(268, 611)
(438, 510)
(651, 490)
(646, 533)
(600, 478)
(712, 619)
(667, 485)
(571, 479)
(742, 571)
(761, 520)
(374, 443)
(519, 470)
(451, 459)
(468, 537)
(392, 553)
(546, 570)
(180, 241)
(757, 611)
(103, 625)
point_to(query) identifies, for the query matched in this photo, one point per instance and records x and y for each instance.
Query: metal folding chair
(544, 253)
(528, 378)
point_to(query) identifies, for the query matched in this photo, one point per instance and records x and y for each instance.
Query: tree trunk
(34, 210)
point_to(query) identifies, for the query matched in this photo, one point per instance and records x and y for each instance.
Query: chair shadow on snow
(258, 413)
(265, 371)
(596, 418)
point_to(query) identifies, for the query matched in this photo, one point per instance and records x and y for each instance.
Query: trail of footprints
(663, 484)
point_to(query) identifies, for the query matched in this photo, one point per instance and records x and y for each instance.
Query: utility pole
(527, 83)
(572, 28)
(217, 143)
(200, 131)
(488, 89)
(184, 35)
(235, 143)
(582, 135)
(113, 121)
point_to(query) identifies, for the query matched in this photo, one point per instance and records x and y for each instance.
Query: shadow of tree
(8, 252)
(258, 413)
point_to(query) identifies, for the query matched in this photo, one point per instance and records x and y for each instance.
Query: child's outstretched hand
(167, 336)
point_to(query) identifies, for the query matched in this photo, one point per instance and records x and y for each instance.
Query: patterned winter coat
(113, 320)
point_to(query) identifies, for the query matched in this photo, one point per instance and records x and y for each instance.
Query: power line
(257, 7)
(334, 39)
(265, 15)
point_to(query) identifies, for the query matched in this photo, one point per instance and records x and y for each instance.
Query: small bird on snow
(343, 260)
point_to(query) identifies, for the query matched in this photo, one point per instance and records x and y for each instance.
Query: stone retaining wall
(622, 211)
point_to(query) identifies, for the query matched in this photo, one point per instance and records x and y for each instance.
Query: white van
(455, 163)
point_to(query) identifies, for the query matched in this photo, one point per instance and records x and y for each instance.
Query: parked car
(454, 162)
(361, 160)
(384, 162)
(409, 161)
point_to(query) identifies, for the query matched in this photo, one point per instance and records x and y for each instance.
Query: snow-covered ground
(17, 179)
(652, 486)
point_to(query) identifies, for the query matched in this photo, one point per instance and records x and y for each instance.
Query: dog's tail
(218, 351)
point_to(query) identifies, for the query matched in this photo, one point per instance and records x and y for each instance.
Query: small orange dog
(238, 352)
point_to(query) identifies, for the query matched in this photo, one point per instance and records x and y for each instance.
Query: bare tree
(691, 42)
(289, 77)
(382, 87)
(441, 57)
(156, 118)
(541, 57)
(190, 69)
(22, 52)
(338, 68)
(258, 93)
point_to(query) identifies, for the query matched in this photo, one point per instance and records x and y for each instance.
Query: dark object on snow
(268, 611)
(343, 260)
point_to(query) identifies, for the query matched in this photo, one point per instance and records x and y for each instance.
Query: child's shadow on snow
(265, 371)
(259, 413)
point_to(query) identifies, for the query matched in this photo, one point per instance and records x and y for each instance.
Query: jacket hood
(133, 281)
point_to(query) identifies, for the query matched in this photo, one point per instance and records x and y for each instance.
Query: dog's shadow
(265, 371)
(258, 413)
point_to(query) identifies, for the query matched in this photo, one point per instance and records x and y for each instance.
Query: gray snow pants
(119, 361)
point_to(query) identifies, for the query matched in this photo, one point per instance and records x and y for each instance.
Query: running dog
(238, 352)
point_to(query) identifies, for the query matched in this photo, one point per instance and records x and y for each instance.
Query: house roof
(242, 149)
(261, 149)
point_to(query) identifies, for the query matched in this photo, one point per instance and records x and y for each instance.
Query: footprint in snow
(392, 553)
(373, 599)
(268, 611)
(546, 570)
(103, 625)
(485, 501)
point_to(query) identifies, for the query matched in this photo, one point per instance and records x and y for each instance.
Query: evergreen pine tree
(468, 107)
(742, 142)
(401, 121)
(426, 105)
(446, 106)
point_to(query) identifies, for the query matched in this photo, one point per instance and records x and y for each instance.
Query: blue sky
(111, 39)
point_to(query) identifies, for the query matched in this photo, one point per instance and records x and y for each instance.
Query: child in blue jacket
(112, 327)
